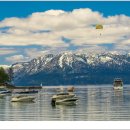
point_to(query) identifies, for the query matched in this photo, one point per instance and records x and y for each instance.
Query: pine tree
(4, 77)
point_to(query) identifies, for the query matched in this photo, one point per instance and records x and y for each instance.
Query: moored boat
(63, 98)
(118, 84)
(4, 90)
(23, 98)
(24, 91)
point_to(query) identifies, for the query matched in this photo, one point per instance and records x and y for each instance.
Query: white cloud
(5, 51)
(91, 49)
(75, 25)
(5, 66)
(16, 58)
(34, 52)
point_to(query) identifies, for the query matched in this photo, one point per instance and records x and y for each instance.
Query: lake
(96, 103)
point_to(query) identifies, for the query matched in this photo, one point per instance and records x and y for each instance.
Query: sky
(32, 29)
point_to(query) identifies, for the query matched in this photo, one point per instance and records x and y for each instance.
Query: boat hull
(118, 88)
(23, 99)
(5, 91)
(28, 92)
(66, 101)
(58, 97)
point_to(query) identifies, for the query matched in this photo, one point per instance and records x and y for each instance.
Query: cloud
(91, 49)
(6, 51)
(34, 52)
(5, 66)
(55, 20)
(48, 29)
(16, 58)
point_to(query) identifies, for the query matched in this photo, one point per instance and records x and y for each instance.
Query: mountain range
(72, 69)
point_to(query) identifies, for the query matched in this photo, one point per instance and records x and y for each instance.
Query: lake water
(95, 103)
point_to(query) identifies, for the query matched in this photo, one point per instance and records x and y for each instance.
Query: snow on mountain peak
(105, 59)
(49, 61)
(68, 58)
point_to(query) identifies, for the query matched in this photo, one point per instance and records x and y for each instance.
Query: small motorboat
(24, 91)
(63, 98)
(70, 89)
(23, 98)
(4, 90)
(118, 84)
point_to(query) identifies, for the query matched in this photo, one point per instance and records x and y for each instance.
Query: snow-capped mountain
(71, 68)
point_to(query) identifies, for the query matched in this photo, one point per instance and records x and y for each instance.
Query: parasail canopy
(99, 26)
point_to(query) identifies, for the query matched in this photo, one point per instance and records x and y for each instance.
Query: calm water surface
(95, 103)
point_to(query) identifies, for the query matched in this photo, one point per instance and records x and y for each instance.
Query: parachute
(99, 27)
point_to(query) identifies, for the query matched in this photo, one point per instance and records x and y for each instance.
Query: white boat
(23, 98)
(118, 84)
(64, 98)
(3, 90)
(24, 91)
